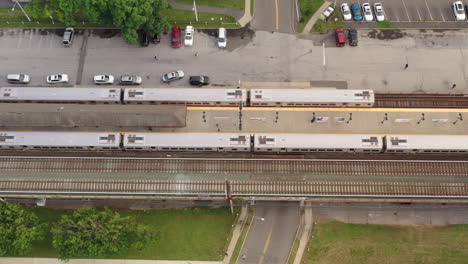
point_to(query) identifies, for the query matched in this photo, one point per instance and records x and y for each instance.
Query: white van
(68, 37)
(222, 41)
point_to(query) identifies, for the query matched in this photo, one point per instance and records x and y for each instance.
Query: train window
(270, 149)
(339, 150)
(33, 147)
(162, 148)
(199, 148)
(191, 148)
(173, 148)
(295, 150)
(183, 148)
(62, 147)
(351, 149)
(321, 150)
(283, 148)
(399, 151)
(208, 149)
(303, 149)
(444, 151)
(330, 150)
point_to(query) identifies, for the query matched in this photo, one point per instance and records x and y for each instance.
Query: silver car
(172, 76)
(130, 79)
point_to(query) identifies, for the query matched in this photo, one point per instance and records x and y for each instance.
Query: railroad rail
(231, 188)
(287, 167)
(405, 100)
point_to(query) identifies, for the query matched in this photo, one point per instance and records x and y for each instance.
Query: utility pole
(195, 10)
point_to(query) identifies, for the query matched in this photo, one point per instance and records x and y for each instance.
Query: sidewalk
(98, 261)
(236, 234)
(315, 17)
(243, 17)
(308, 224)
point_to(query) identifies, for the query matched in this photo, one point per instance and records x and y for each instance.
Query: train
(226, 97)
(233, 142)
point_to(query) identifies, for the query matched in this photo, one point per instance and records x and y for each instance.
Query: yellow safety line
(309, 109)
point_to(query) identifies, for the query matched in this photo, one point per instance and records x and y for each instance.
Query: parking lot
(412, 10)
(437, 59)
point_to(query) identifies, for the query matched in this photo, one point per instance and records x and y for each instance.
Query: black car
(352, 36)
(144, 39)
(156, 39)
(199, 80)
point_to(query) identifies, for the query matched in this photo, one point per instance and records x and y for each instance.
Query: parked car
(130, 80)
(356, 11)
(353, 37)
(156, 39)
(346, 12)
(172, 76)
(176, 42)
(366, 9)
(188, 39)
(103, 79)
(340, 37)
(199, 80)
(327, 13)
(144, 39)
(222, 41)
(18, 78)
(68, 37)
(57, 78)
(459, 11)
(379, 12)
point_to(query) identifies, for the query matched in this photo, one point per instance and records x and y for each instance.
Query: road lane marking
(406, 10)
(428, 10)
(267, 244)
(277, 16)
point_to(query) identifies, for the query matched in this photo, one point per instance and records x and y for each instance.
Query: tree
(18, 229)
(89, 232)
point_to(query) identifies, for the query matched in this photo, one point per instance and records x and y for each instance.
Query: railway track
(404, 100)
(234, 188)
(289, 167)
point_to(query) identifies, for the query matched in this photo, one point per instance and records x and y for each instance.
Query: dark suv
(352, 37)
(199, 80)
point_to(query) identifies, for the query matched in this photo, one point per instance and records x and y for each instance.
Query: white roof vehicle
(327, 13)
(366, 9)
(188, 39)
(346, 12)
(103, 79)
(57, 78)
(379, 13)
(18, 78)
(222, 41)
(172, 76)
(459, 10)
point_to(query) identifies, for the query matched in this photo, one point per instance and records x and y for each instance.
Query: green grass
(293, 254)
(384, 24)
(252, 7)
(185, 17)
(240, 241)
(307, 9)
(230, 4)
(336, 242)
(188, 234)
(323, 26)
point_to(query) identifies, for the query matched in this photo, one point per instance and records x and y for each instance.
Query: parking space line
(428, 10)
(406, 10)
(442, 14)
(417, 10)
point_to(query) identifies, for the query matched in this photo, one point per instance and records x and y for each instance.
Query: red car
(176, 41)
(340, 37)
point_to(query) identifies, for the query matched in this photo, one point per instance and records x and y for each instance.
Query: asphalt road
(271, 235)
(437, 59)
(274, 15)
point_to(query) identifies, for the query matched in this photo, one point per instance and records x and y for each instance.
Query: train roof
(185, 94)
(200, 140)
(59, 94)
(105, 139)
(436, 142)
(335, 141)
(312, 95)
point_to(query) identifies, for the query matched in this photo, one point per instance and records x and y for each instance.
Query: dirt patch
(106, 33)
(386, 34)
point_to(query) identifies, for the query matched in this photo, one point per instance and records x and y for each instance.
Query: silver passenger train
(233, 142)
(192, 96)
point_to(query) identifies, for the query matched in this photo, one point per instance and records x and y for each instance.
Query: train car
(317, 143)
(312, 97)
(60, 95)
(426, 144)
(230, 142)
(60, 140)
(186, 96)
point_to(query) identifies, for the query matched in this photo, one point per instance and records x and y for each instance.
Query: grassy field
(334, 21)
(190, 234)
(230, 4)
(185, 17)
(341, 243)
(307, 8)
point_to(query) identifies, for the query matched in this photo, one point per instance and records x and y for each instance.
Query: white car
(327, 13)
(379, 13)
(188, 39)
(103, 79)
(366, 9)
(57, 78)
(172, 76)
(346, 12)
(459, 10)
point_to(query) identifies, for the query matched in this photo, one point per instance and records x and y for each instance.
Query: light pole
(260, 218)
(52, 19)
(17, 3)
(350, 118)
(385, 118)
(459, 118)
(422, 119)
